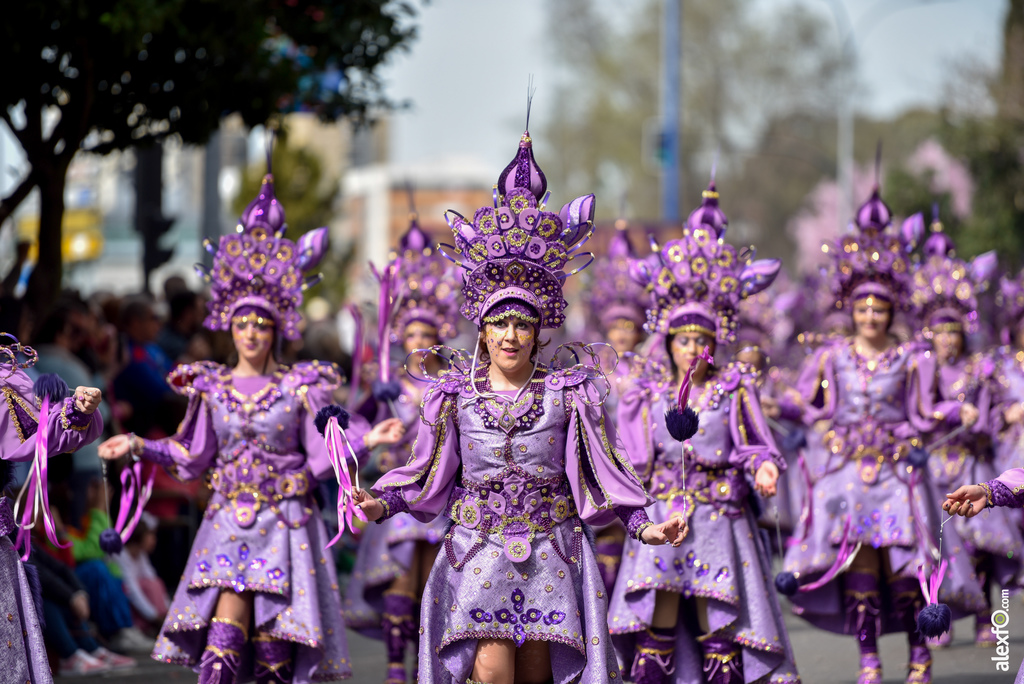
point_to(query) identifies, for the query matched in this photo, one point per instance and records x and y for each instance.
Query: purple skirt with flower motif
(386, 551)
(475, 591)
(720, 560)
(279, 557)
(23, 660)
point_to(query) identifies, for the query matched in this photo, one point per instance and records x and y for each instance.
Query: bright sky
(467, 73)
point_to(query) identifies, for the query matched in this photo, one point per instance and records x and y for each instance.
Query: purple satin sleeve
(753, 444)
(599, 471)
(191, 450)
(67, 430)
(814, 393)
(393, 504)
(924, 412)
(1004, 487)
(635, 520)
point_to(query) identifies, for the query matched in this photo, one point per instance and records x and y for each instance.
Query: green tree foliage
(308, 198)
(102, 75)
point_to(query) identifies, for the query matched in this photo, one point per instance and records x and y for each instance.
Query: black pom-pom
(682, 425)
(110, 541)
(794, 441)
(934, 620)
(786, 583)
(52, 386)
(917, 457)
(835, 506)
(326, 413)
(387, 391)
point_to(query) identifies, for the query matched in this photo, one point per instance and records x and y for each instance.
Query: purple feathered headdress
(696, 283)
(515, 249)
(258, 267)
(614, 295)
(945, 287)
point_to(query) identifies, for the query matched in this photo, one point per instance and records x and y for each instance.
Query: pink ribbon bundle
(133, 490)
(334, 436)
(38, 500)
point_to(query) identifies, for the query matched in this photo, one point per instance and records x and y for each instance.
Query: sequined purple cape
(24, 657)
(262, 531)
(518, 480)
(722, 558)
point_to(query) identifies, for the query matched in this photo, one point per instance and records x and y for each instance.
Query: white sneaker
(131, 640)
(81, 663)
(113, 660)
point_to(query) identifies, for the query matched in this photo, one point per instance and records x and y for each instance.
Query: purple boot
(273, 660)
(225, 640)
(399, 629)
(655, 656)
(907, 600)
(722, 663)
(864, 610)
(609, 555)
(920, 668)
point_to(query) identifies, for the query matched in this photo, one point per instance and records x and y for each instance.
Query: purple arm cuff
(394, 504)
(157, 451)
(73, 419)
(1004, 496)
(635, 520)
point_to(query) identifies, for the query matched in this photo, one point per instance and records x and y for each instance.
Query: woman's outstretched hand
(968, 501)
(87, 399)
(369, 505)
(673, 531)
(765, 479)
(116, 447)
(386, 432)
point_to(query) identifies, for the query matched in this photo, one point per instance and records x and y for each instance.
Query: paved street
(822, 659)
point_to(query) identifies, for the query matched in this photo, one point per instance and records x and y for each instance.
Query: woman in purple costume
(868, 512)
(395, 557)
(259, 573)
(947, 309)
(702, 612)
(1008, 401)
(72, 422)
(519, 455)
(616, 301)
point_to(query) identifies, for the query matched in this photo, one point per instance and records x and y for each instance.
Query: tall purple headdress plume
(871, 260)
(259, 267)
(614, 295)
(430, 285)
(1010, 301)
(517, 251)
(695, 283)
(945, 287)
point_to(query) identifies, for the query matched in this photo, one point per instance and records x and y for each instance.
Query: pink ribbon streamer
(841, 558)
(684, 389)
(807, 509)
(334, 436)
(357, 357)
(930, 585)
(38, 498)
(133, 490)
(388, 279)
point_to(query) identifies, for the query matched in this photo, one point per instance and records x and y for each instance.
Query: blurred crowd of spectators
(98, 606)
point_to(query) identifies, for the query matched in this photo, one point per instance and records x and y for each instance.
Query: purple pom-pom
(326, 413)
(794, 441)
(681, 424)
(110, 541)
(934, 620)
(387, 391)
(52, 386)
(917, 457)
(786, 583)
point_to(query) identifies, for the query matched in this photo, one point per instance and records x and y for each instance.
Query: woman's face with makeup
(510, 343)
(253, 335)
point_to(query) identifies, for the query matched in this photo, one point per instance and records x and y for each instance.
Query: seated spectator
(108, 602)
(146, 591)
(66, 611)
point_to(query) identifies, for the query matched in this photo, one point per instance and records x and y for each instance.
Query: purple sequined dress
(386, 551)
(518, 480)
(965, 460)
(721, 558)
(861, 486)
(262, 531)
(22, 652)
